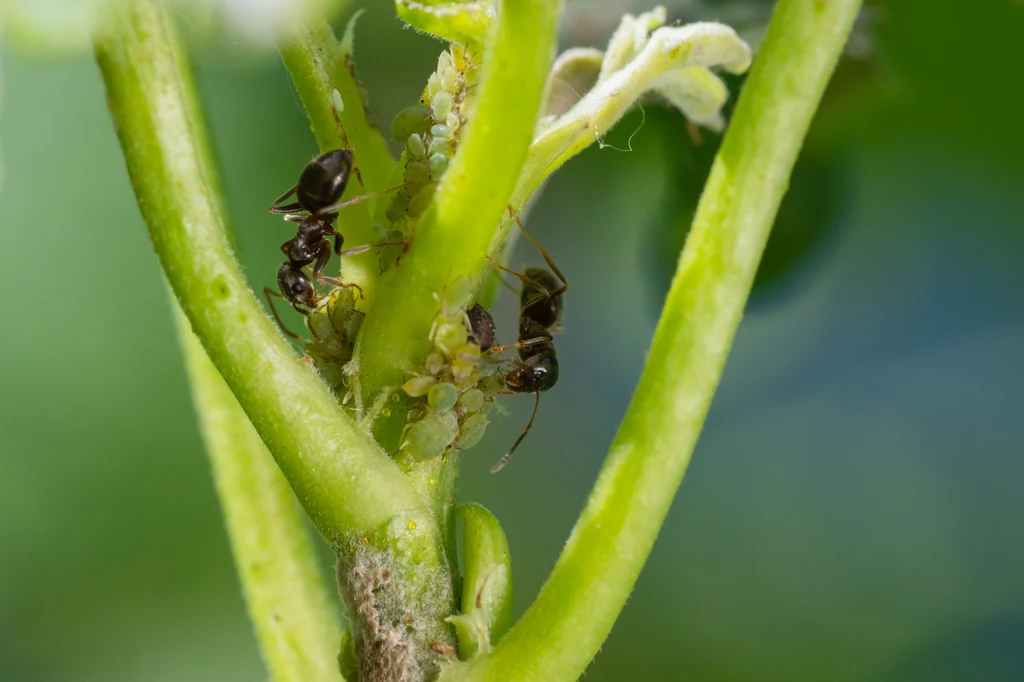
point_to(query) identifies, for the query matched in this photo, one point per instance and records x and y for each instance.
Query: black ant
(320, 186)
(540, 310)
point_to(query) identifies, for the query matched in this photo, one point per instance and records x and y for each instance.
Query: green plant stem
(320, 65)
(450, 242)
(289, 604)
(345, 483)
(563, 629)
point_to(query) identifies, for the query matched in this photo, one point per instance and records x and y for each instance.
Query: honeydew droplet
(411, 525)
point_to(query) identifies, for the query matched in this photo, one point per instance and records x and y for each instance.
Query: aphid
(481, 326)
(320, 186)
(540, 310)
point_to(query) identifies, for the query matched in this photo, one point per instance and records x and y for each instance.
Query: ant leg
(276, 207)
(526, 343)
(547, 258)
(335, 282)
(523, 278)
(339, 240)
(334, 208)
(529, 425)
(322, 251)
(268, 292)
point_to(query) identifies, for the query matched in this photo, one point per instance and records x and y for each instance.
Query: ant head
(535, 306)
(323, 180)
(537, 374)
(295, 285)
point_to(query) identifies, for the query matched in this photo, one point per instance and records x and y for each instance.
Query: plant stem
(288, 602)
(345, 483)
(320, 66)
(450, 242)
(563, 629)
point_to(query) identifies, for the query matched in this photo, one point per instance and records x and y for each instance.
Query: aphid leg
(529, 425)
(268, 292)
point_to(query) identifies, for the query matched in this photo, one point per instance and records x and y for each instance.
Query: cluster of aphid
(463, 372)
(430, 131)
(455, 390)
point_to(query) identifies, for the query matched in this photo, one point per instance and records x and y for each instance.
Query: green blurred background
(853, 511)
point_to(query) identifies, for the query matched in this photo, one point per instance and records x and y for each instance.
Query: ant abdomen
(323, 180)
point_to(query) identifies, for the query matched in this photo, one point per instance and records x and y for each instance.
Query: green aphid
(441, 106)
(472, 401)
(418, 173)
(442, 397)
(416, 146)
(419, 203)
(398, 207)
(441, 131)
(428, 438)
(418, 386)
(466, 361)
(450, 337)
(472, 431)
(448, 78)
(414, 119)
(438, 165)
(434, 363)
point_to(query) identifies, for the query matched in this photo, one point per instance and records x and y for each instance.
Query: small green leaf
(487, 582)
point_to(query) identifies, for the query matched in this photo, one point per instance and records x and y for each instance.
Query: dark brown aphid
(320, 186)
(481, 326)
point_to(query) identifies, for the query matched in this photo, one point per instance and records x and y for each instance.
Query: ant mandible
(320, 186)
(540, 310)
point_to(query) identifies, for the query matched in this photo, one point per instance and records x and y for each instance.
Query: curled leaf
(675, 62)
(466, 23)
(487, 582)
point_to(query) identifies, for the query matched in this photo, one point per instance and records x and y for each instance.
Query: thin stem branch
(289, 603)
(345, 482)
(563, 629)
(450, 242)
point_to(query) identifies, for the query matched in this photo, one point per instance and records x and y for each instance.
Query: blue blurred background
(853, 511)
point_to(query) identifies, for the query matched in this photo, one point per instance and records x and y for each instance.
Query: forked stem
(564, 628)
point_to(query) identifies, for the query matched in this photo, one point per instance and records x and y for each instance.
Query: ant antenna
(268, 292)
(504, 460)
